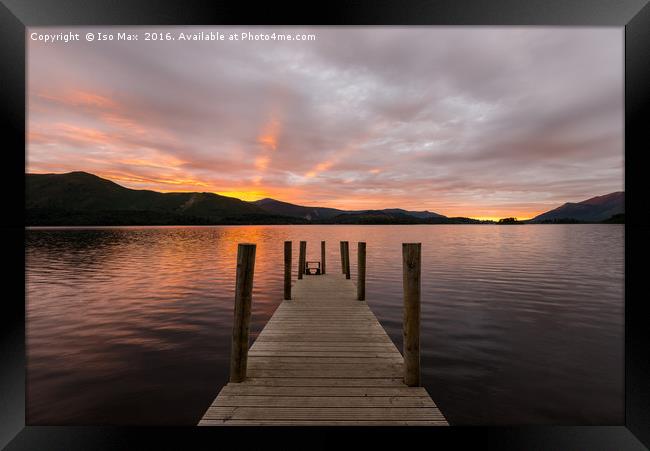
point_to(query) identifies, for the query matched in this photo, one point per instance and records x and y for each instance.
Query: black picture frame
(16, 15)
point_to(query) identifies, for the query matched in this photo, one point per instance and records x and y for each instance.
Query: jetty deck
(323, 359)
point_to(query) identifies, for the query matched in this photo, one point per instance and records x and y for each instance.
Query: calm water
(520, 324)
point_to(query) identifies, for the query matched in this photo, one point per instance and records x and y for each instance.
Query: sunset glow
(479, 122)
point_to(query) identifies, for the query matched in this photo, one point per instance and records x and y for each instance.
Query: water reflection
(521, 324)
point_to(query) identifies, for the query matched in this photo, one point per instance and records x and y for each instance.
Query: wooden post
(302, 258)
(346, 259)
(287, 270)
(361, 271)
(342, 258)
(411, 262)
(322, 257)
(242, 320)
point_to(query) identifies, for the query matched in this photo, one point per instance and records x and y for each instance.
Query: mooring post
(302, 258)
(287, 270)
(411, 263)
(242, 320)
(346, 258)
(322, 257)
(361, 271)
(342, 258)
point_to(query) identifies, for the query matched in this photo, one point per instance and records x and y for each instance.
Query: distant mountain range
(296, 211)
(80, 198)
(319, 213)
(596, 209)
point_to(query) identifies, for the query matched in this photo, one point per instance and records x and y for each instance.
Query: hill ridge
(83, 198)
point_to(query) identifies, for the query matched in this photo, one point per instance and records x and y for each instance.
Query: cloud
(462, 121)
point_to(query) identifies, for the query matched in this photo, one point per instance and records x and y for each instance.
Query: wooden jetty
(323, 358)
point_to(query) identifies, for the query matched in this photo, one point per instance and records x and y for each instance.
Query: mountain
(416, 214)
(596, 209)
(80, 198)
(396, 216)
(326, 214)
(373, 217)
(297, 211)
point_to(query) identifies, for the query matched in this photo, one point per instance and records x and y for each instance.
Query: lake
(521, 324)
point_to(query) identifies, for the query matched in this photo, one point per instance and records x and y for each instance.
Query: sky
(481, 122)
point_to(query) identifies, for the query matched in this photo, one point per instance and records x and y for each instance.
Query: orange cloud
(162, 162)
(341, 154)
(320, 167)
(77, 97)
(89, 98)
(262, 162)
(268, 141)
(81, 134)
(268, 138)
(37, 137)
(124, 123)
(153, 182)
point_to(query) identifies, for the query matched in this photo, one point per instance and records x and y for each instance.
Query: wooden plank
(319, 329)
(283, 317)
(326, 323)
(298, 333)
(269, 363)
(330, 324)
(274, 346)
(320, 360)
(322, 321)
(316, 317)
(306, 422)
(317, 413)
(318, 320)
(321, 325)
(323, 382)
(315, 354)
(309, 314)
(255, 390)
(351, 332)
(322, 401)
(328, 338)
(327, 373)
(325, 333)
(320, 345)
(325, 346)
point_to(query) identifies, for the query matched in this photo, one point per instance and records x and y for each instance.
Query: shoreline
(68, 227)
